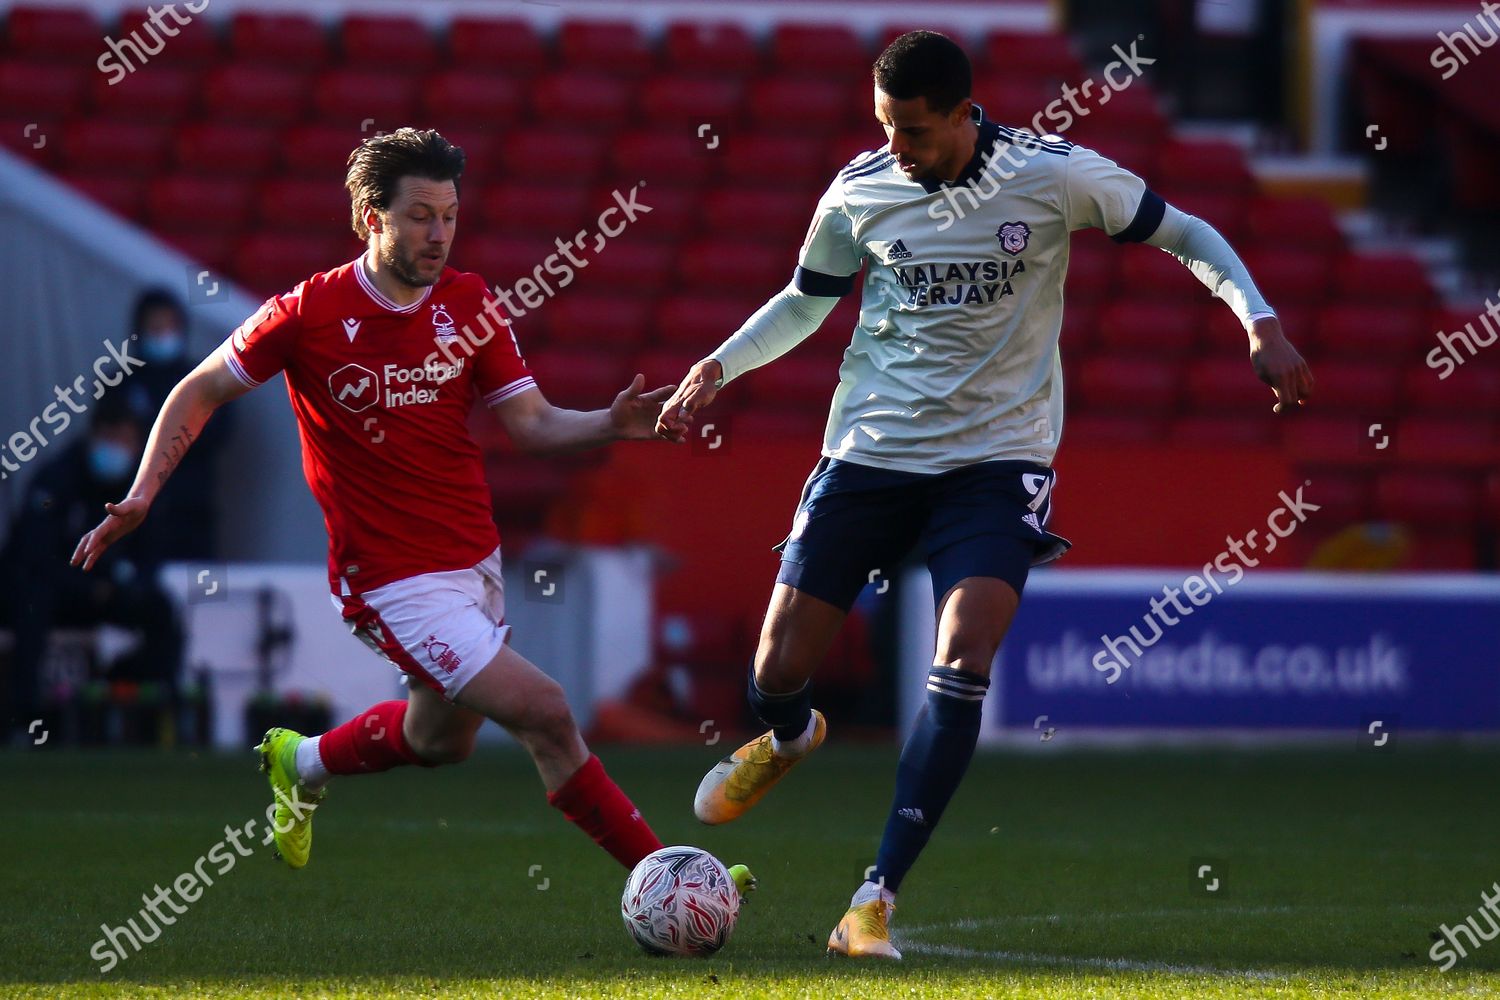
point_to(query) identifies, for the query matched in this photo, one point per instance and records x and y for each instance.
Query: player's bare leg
(972, 622)
(532, 707)
(797, 633)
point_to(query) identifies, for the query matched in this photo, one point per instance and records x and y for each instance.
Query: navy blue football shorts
(856, 523)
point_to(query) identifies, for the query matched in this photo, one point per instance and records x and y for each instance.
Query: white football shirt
(954, 360)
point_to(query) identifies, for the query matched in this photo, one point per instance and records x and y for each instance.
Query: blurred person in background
(159, 327)
(40, 592)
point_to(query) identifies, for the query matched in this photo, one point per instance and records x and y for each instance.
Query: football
(680, 901)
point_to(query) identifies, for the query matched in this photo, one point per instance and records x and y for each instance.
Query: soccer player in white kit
(946, 418)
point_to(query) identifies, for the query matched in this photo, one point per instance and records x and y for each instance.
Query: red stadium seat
(673, 215)
(848, 145)
(287, 39)
(1243, 430)
(198, 203)
(1288, 276)
(818, 107)
(194, 44)
(569, 156)
(272, 263)
(153, 93)
(736, 267)
(366, 101)
(501, 260)
(1306, 223)
(578, 379)
(255, 94)
(1320, 440)
(673, 157)
(818, 50)
(1447, 442)
(560, 99)
(1383, 330)
(1354, 387)
(64, 32)
(663, 366)
(532, 208)
(1147, 272)
(1225, 385)
(631, 265)
(1030, 56)
(1491, 499)
(763, 216)
(713, 50)
(796, 162)
(1091, 270)
(699, 321)
(612, 324)
(497, 45)
(467, 97)
(1427, 498)
(1080, 324)
(125, 196)
(290, 204)
(1142, 326)
(1203, 165)
(795, 381)
(1442, 549)
(1112, 429)
(1387, 279)
(131, 148)
(226, 150)
(479, 144)
(680, 100)
(1122, 383)
(1472, 390)
(774, 424)
(42, 88)
(213, 251)
(615, 47)
(318, 150)
(398, 44)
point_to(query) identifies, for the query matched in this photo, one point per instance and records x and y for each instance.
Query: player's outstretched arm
(181, 420)
(537, 427)
(1201, 249)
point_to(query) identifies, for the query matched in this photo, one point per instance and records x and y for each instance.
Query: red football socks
(371, 741)
(600, 809)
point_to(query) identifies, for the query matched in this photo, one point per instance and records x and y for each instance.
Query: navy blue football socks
(786, 714)
(933, 762)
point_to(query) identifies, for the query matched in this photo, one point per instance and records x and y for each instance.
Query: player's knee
(436, 750)
(974, 653)
(548, 718)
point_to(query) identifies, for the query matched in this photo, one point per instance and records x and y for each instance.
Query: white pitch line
(1109, 964)
(970, 923)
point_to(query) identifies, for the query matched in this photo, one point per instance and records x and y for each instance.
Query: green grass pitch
(1056, 873)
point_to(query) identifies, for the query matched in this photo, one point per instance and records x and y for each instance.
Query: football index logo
(355, 388)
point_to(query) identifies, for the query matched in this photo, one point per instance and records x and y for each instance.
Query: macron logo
(351, 329)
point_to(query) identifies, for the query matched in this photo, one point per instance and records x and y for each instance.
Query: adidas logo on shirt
(898, 251)
(1032, 520)
(915, 815)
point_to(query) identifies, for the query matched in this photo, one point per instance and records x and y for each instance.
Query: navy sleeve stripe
(833, 286)
(1148, 217)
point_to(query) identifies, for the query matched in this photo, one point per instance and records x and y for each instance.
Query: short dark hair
(377, 165)
(925, 64)
(151, 300)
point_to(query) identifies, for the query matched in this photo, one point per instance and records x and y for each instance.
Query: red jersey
(382, 395)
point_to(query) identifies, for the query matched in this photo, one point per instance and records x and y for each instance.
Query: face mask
(168, 345)
(110, 462)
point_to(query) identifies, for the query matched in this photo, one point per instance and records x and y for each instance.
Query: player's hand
(633, 413)
(697, 390)
(120, 519)
(1278, 365)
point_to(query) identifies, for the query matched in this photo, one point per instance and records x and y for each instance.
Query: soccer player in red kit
(383, 359)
